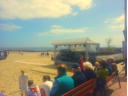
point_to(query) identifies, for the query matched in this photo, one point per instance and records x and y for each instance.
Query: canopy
(76, 41)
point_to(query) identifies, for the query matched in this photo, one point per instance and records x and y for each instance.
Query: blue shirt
(2, 94)
(54, 88)
(61, 85)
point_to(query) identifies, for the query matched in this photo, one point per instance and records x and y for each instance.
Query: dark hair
(30, 82)
(22, 71)
(103, 64)
(61, 68)
(46, 77)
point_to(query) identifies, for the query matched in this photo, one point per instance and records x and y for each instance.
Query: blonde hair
(88, 65)
(97, 63)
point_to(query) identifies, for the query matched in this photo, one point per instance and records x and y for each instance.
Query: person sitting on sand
(33, 90)
(45, 88)
(63, 83)
(23, 81)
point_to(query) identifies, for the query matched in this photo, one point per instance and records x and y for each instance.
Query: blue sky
(37, 23)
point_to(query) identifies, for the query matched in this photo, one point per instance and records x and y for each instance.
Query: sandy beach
(34, 65)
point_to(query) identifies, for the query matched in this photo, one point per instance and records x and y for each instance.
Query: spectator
(46, 86)
(23, 80)
(110, 60)
(78, 75)
(97, 66)
(114, 68)
(88, 72)
(81, 63)
(33, 90)
(62, 83)
(107, 64)
(102, 73)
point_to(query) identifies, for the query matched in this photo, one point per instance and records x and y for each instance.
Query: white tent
(75, 41)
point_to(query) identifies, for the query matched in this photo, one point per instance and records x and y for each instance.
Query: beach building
(72, 49)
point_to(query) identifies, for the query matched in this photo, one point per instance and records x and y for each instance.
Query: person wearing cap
(88, 72)
(23, 82)
(63, 83)
(78, 75)
(33, 90)
(46, 86)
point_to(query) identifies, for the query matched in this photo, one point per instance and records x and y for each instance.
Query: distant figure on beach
(23, 82)
(33, 90)
(42, 54)
(47, 54)
(45, 88)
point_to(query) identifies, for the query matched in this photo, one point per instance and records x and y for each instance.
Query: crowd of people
(63, 83)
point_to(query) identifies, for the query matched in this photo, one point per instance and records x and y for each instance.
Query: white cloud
(56, 26)
(117, 27)
(67, 30)
(82, 4)
(28, 9)
(119, 19)
(9, 27)
(57, 29)
(61, 30)
(43, 34)
(75, 13)
(115, 23)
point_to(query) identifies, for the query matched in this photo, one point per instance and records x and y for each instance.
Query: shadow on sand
(116, 80)
(44, 72)
(109, 92)
(51, 66)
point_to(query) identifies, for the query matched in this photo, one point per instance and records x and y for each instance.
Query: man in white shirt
(45, 88)
(23, 82)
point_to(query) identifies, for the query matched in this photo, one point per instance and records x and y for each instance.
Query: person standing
(46, 86)
(23, 82)
(102, 74)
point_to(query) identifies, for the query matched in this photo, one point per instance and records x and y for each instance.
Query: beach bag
(35, 91)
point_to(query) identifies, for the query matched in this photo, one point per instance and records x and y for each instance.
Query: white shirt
(23, 81)
(47, 87)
